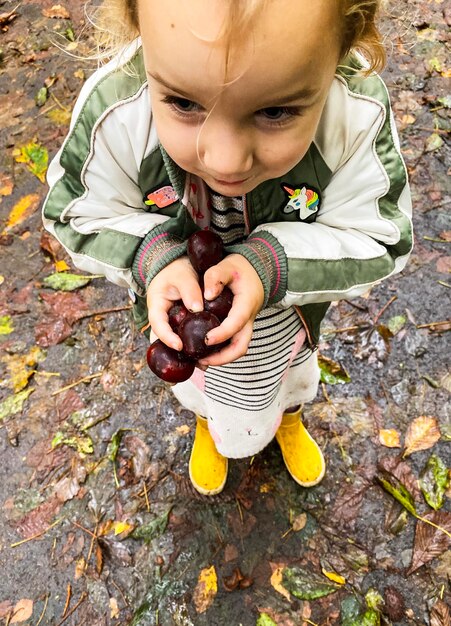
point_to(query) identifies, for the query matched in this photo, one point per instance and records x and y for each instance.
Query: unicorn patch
(303, 199)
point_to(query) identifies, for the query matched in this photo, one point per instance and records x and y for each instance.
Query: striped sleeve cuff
(269, 260)
(158, 249)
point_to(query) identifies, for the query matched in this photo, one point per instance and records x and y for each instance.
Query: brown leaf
(440, 614)
(67, 304)
(446, 235)
(422, 434)
(50, 245)
(53, 331)
(429, 541)
(6, 185)
(348, 503)
(22, 611)
(99, 558)
(403, 472)
(5, 608)
(444, 264)
(39, 519)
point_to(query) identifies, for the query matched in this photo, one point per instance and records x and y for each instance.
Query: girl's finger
(158, 320)
(236, 349)
(238, 316)
(191, 294)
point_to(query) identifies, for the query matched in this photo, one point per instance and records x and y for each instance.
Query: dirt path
(99, 522)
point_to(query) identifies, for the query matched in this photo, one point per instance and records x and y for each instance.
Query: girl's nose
(226, 153)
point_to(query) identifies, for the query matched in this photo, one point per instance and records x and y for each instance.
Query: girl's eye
(182, 106)
(279, 115)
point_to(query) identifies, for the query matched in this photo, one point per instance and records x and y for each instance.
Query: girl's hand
(177, 281)
(237, 273)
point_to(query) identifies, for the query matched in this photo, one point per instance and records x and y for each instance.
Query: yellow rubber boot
(207, 468)
(301, 454)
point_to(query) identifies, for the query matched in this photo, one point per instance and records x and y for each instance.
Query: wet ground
(100, 524)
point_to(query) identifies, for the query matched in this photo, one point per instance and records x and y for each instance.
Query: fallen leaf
(389, 438)
(434, 481)
(407, 118)
(440, 614)
(61, 117)
(276, 581)
(22, 366)
(430, 542)
(403, 472)
(206, 589)
(57, 12)
(22, 210)
(299, 522)
(52, 331)
(39, 519)
(348, 503)
(61, 266)
(336, 578)
(444, 264)
(153, 529)
(35, 157)
(14, 404)
(183, 430)
(433, 142)
(67, 282)
(306, 585)
(22, 611)
(6, 325)
(422, 434)
(331, 372)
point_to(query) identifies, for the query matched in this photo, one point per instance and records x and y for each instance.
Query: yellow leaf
(408, 119)
(422, 434)
(120, 527)
(61, 266)
(22, 210)
(446, 73)
(335, 577)
(22, 611)
(276, 582)
(60, 116)
(389, 438)
(21, 367)
(206, 589)
(266, 487)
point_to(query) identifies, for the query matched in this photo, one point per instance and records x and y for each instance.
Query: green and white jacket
(336, 224)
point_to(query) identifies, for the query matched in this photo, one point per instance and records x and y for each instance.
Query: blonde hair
(117, 25)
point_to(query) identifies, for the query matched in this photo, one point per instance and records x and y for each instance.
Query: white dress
(244, 400)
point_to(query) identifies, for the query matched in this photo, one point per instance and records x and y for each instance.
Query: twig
(384, 308)
(435, 239)
(346, 329)
(18, 543)
(432, 324)
(442, 282)
(68, 596)
(82, 598)
(93, 538)
(104, 312)
(44, 609)
(146, 496)
(77, 382)
(85, 529)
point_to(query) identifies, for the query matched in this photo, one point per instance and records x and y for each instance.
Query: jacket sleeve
(95, 207)
(363, 230)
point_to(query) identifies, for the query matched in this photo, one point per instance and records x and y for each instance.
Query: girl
(259, 120)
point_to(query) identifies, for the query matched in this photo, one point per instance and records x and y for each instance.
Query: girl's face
(261, 123)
